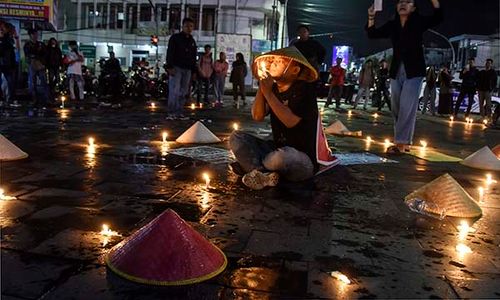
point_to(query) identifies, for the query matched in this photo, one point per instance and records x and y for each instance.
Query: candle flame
(375, 115)
(91, 141)
(236, 127)
(463, 249)
(368, 139)
(63, 98)
(153, 105)
(485, 121)
(452, 118)
(201, 105)
(193, 107)
(164, 136)
(339, 276)
(106, 231)
(206, 177)
(349, 113)
(423, 143)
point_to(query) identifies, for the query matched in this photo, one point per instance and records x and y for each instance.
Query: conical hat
(338, 128)
(483, 159)
(308, 74)
(448, 197)
(198, 134)
(9, 151)
(167, 251)
(496, 150)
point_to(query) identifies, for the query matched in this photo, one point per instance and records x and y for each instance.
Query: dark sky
(346, 18)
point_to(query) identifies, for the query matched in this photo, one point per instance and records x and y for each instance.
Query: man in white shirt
(75, 59)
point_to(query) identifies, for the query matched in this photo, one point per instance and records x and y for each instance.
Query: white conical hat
(9, 151)
(198, 134)
(444, 195)
(338, 128)
(483, 159)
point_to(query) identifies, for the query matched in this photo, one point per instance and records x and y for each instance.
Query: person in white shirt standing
(74, 60)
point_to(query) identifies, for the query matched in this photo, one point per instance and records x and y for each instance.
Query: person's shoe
(257, 180)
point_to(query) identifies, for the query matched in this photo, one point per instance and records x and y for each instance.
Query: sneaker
(257, 180)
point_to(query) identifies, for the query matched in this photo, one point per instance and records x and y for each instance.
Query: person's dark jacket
(382, 77)
(407, 41)
(445, 83)
(36, 51)
(469, 80)
(239, 72)
(54, 57)
(7, 53)
(486, 80)
(312, 50)
(181, 52)
(112, 66)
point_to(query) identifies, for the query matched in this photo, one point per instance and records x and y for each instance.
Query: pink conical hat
(167, 251)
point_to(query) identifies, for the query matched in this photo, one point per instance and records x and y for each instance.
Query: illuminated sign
(344, 52)
(36, 10)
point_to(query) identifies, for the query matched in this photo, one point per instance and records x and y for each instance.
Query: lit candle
(153, 105)
(201, 105)
(481, 193)
(423, 143)
(91, 142)
(375, 115)
(387, 143)
(164, 136)
(485, 121)
(349, 113)
(5, 197)
(236, 127)
(368, 139)
(63, 98)
(193, 107)
(452, 118)
(207, 179)
(339, 276)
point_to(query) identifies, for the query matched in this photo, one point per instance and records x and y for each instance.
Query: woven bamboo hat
(198, 134)
(338, 128)
(483, 159)
(168, 252)
(447, 194)
(262, 62)
(9, 151)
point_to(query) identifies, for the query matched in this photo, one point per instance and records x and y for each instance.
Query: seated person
(287, 93)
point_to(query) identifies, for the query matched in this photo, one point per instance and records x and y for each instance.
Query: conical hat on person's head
(449, 198)
(167, 251)
(9, 151)
(198, 134)
(483, 159)
(496, 150)
(308, 73)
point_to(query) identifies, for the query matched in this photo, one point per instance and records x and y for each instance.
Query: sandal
(393, 150)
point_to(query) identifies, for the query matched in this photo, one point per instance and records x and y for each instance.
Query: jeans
(203, 85)
(219, 84)
(9, 78)
(253, 153)
(334, 92)
(429, 95)
(362, 91)
(485, 103)
(404, 97)
(239, 89)
(178, 88)
(79, 82)
(460, 99)
(38, 87)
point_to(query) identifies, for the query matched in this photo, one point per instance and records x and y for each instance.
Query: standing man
(205, 71)
(408, 64)
(366, 80)
(313, 51)
(54, 63)
(35, 53)
(382, 90)
(7, 63)
(181, 61)
(468, 87)
(486, 83)
(336, 84)
(430, 90)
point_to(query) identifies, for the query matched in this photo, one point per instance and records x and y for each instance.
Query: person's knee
(237, 140)
(276, 160)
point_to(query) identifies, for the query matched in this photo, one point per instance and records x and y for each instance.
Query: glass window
(193, 12)
(145, 13)
(163, 13)
(208, 19)
(175, 17)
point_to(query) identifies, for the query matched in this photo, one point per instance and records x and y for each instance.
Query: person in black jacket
(382, 90)
(468, 87)
(309, 47)
(36, 53)
(54, 62)
(408, 64)
(486, 83)
(7, 62)
(181, 62)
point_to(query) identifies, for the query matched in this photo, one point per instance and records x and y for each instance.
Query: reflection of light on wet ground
(463, 229)
(481, 193)
(91, 161)
(462, 250)
(63, 113)
(4, 197)
(206, 177)
(205, 200)
(164, 148)
(339, 276)
(107, 233)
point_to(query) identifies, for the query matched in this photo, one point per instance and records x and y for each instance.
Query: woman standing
(408, 64)
(220, 67)
(237, 78)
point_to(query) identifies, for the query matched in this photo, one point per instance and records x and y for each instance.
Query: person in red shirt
(336, 84)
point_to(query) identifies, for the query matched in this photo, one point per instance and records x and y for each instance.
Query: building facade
(126, 27)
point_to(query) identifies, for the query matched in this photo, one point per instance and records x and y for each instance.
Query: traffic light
(154, 40)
